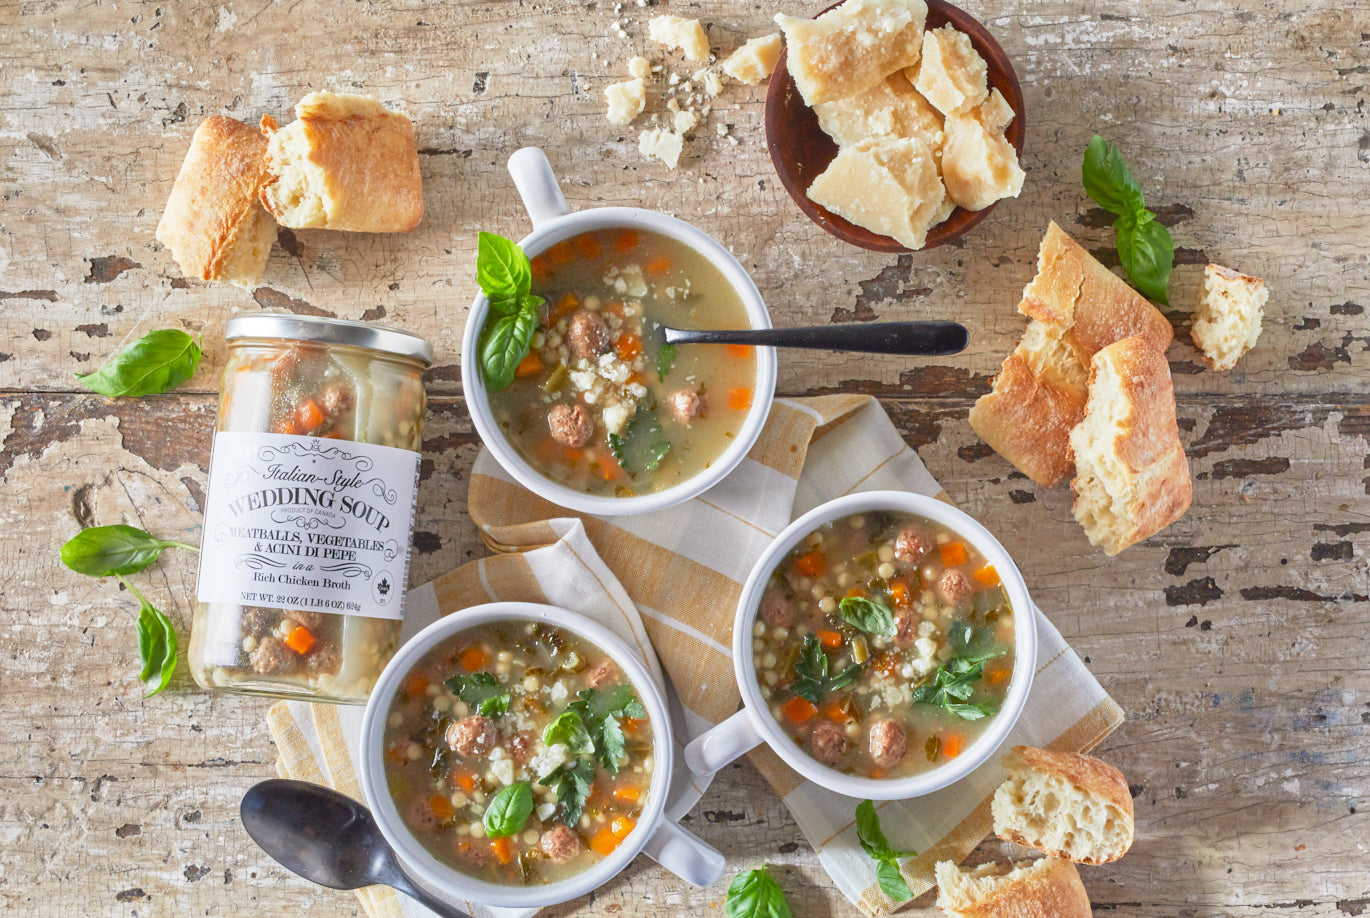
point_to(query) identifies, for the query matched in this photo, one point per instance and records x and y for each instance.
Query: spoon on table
(921, 339)
(327, 837)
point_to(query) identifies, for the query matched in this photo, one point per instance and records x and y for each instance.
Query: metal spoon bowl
(919, 339)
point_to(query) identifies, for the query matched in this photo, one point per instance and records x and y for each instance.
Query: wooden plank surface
(1236, 641)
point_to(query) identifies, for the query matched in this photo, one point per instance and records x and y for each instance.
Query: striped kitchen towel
(674, 578)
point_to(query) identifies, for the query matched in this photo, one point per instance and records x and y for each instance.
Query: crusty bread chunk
(1228, 319)
(887, 184)
(852, 47)
(626, 100)
(214, 224)
(979, 166)
(1065, 805)
(1045, 888)
(345, 163)
(1131, 477)
(890, 108)
(1078, 307)
(951, 74)
(679, 32)
(755, 60)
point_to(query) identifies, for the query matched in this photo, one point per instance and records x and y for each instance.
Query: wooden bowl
(801, 151)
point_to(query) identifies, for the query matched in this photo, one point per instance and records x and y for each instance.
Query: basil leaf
(157, 647)
(870, 616)
(892, 882)
(481, 691)
(504, 304)
(665, 361)
(1147, 253)
(108, 551)
(157, 362)
(504, 343)
(877, 847)
(508, 812)
(501, 266)
(569, 730)
(1107, 179)
(754, 894)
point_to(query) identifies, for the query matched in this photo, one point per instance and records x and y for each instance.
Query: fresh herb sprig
(952, 685)
(812, 668)
(1144, 245)
(591, 727)
(755, 894)
(157, 362)
(886, 858)
(115, 551)
(509, 810)
(572, 781)
(869, 615)
(640, 448)
(506, 278)
(665, 361)
(482, 692)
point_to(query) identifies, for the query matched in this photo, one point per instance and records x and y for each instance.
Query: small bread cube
(887, 184)
(890, 108)
(755, 60)
(951, 73)
(626, 100)
(678, 32)
(1228, 319)
(978, 165)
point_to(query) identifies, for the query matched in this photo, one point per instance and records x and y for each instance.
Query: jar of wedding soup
(304, 559)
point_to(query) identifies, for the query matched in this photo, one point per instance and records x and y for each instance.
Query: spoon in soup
(918, 339)
(327, 837)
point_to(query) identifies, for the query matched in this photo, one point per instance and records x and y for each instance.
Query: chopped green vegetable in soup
(518, 753)
(884, 644)
(600, 403)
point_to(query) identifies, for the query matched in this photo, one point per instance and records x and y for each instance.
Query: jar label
(308, 523)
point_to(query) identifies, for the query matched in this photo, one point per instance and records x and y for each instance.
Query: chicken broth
(884, 644)
(518, 753)
(600, 404)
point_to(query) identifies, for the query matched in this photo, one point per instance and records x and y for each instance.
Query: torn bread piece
(679, 32)
(626, 100)
(214, 223)
(852, 47)
(1064, 804)
(1027, 418)
(754, 61)
(1131, 476)
(889, 185)
(1227, 320)
(345, 163)
(890, 108)
(950, 73)
(979, 166)
(1045, 888)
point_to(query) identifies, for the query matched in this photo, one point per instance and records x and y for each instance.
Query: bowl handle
(708, 753)
(684, 854)
(537, 186)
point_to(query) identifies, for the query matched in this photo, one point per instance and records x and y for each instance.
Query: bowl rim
(1020, 683)
(477, 398)
(450, 882)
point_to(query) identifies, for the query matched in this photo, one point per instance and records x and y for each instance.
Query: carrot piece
(627, 792)
(997, 675)
(331, 435)
(284, 426)
(739, 351)
(899, 592)
(542, 268)
(628, 346)
(561, 253)
(830, 639)
(472, 659)
(299, 640)
(622, 826)
(626, 241)
(855, 592)
(503, 848)
(953, 553)
(604, 842)
(308, 415)
(951, 746)
(835, 709)
(658, 266)
(465, 780)
(567, 304)
(987, 575)
(609, 467)
(810, 564)
(529, 366)
(416, 685)
(797, 710)
(587, 246)
(441, 807)
(396, 754)
(739, 398)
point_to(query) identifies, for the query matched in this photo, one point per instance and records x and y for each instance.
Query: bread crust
(1090, 775)
(1027, 418)
(213, 216)
(1050, 889)
(367, 166)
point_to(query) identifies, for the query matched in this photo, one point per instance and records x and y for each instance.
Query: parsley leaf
(637, 449)
(665, 361)
(952, 685)
(483, 692)
(572, 782)
(870, 616)
(812, 668)
(754, 894)
(886, 858)
(1144, 246)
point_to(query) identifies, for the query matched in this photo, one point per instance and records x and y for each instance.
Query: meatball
(955, 587)
(323, 659)
(685, 405)
(474, 735)
(829, 742)
(272, 658)
(256, 622)
(911, 545)
(520, 747)
(335, 399)
(421, 815)
(601, 675)
(311, 620)
(776, 611)
(571, 426)
(906, 627)
(560, 843)
(587, 337)
(888, 741)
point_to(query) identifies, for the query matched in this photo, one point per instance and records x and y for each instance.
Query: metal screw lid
(331, 331)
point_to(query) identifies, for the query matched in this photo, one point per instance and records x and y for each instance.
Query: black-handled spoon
(327, 837)
(921, 339)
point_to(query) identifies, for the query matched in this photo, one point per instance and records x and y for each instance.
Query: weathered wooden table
(1237, 640)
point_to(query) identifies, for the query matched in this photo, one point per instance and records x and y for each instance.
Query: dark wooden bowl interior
(801, 151)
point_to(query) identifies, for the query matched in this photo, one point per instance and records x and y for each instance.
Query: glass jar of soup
(304, 559)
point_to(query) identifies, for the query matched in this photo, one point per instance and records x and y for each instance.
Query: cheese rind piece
(853, 47)
(626, 100)
(678, 32)
(662, 145)
(890, 108)
(755, 60)
(1228, 318)
(887, 184)
(951, 73)
(978, 165)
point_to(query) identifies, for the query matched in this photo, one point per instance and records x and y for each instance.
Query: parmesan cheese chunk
(853, 47)
(1228, 319)
(887, 184)
(951, 73)
(978, 165)
(639, 67)
(754, 61)
(890, 108)
(626, 100)
(995, 113)
(684, 122)
(678, 32)
(660, 144)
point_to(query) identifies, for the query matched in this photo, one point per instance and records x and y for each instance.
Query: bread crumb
(678, 32)
(754, 61)
(661, 145)
(626, 100)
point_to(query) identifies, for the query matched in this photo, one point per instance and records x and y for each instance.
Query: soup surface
(600, 404)
(884, 644)
(518, 753)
